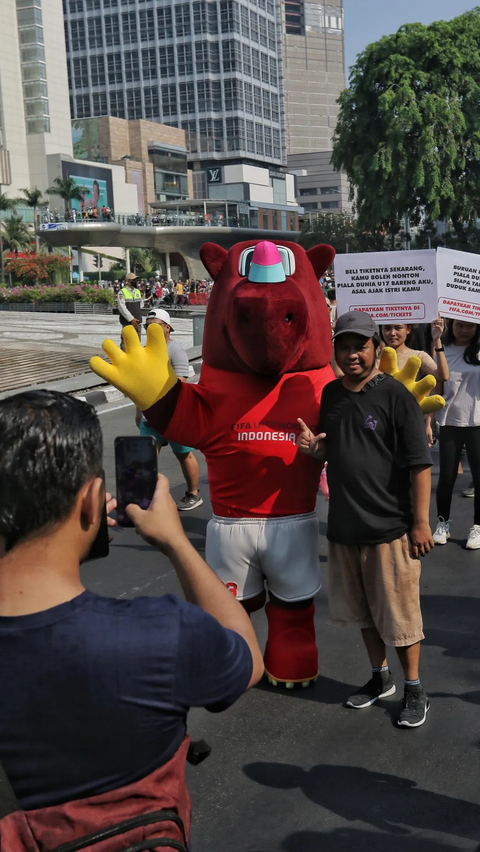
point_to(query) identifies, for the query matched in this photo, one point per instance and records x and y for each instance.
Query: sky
(369, 20)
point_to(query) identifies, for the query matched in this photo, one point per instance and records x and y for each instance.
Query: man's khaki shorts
(376, 585)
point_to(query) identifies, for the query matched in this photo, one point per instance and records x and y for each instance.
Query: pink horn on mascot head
(266, 266)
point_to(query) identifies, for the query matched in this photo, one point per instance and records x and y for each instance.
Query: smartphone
(100, 546)
(136, 474)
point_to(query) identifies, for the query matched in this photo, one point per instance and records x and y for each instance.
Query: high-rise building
(313, 78)
(34, 108)
(313, 71)
(209, 67)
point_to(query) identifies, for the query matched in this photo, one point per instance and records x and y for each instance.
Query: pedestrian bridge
(164, 240)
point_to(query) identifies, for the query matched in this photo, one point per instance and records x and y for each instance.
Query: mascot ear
(321, 257)
(213, 257)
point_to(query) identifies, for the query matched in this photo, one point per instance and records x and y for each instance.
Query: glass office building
(210, 67)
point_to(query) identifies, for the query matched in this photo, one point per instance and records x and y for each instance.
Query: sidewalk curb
(101, 397)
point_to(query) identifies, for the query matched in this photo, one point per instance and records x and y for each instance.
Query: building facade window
(33, 68)
(117, 104)
(166, 56)
(330, 205)
(149, 63)
(95, 34)
(134, 103)
(152, 105)
(129, 27)
(185, 59)
(78, 39)
(79, 73)
(97, 70)
(169, 100)
(82, 103)
(112, 30)
(186, 92)
(132, 66)
(164, 22)
(99, 103)
(183, 25)
(146, 24)
(114, 68)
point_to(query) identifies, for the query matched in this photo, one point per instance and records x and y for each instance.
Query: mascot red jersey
(266, 358)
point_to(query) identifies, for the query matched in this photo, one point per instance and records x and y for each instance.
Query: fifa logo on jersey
(370, 423)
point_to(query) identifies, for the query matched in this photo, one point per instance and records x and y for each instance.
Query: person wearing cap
(371, 432)
(129, 304)
(179, 361)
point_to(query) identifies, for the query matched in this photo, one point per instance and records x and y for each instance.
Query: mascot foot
(291, 655)
(290, 684)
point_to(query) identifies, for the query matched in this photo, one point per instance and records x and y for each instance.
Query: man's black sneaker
(379, 686)
(415, 706)
(189, 502)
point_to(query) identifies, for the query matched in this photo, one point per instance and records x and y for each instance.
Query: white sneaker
(473, 541)
(442, 533)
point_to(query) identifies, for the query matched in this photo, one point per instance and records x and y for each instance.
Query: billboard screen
(96, 181)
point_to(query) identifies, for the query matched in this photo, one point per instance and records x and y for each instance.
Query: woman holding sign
(398, 337)
(459, 424)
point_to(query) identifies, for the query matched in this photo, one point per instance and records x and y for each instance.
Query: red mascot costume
(266, 359)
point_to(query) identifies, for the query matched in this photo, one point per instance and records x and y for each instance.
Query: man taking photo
(96, 691)
(373, 436)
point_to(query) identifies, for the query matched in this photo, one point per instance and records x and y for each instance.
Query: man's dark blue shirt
(95, 692)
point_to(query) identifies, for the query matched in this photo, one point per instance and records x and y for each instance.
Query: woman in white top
(398, 337)
(459, 424)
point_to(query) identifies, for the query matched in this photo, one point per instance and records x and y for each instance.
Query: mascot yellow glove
(407, 376)
(144, 374)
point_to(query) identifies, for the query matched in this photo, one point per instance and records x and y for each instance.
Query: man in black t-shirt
(373, 437)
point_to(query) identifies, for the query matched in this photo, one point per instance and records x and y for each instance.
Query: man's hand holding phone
(160, 524)
(310, 444)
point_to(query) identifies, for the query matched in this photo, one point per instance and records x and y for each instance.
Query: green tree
(408, 134)
(33, 198)
(68, 189)
(335, 229)
(143, 261)
(16, 234)
(6, 204)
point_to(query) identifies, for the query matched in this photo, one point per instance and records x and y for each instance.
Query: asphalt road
(297, 771)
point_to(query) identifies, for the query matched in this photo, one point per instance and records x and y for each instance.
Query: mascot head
(267, 313)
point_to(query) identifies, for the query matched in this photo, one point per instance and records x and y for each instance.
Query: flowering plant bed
(43, 268)
(63, 293)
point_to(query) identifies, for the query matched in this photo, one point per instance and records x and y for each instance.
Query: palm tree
(143, 260)
(68, 189)
(16, 235)
(33, 198)
(6, 203)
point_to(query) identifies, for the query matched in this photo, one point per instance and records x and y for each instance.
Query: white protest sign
(458, 284)
(391, 286)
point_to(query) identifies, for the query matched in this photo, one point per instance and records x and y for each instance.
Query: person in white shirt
(459, 424)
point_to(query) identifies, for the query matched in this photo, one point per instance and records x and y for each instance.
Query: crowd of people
(140, 665)
(161, 291)
(106, 214)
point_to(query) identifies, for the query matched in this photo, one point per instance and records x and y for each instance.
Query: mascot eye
(288, 318)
